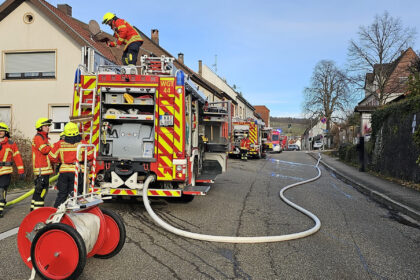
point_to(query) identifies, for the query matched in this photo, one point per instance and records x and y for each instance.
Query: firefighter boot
(41, 190)
(2, 201)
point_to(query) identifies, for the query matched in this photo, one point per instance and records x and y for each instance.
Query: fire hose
(237, 239)
(29, 193)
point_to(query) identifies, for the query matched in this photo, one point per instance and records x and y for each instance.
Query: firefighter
(126, 35)
(8, 151)
(245, 145)
(65, 153)
(40, 162)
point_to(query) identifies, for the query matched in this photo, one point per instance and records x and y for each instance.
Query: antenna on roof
(215, 63)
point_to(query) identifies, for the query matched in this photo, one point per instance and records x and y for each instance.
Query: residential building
(242, 109)
(313, 133)
(264, 112)
(38, 64)
(396, 75)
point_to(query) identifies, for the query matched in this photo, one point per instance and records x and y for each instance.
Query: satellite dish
(96, 33)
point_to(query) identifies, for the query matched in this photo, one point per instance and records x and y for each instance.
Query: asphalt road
(358, 238)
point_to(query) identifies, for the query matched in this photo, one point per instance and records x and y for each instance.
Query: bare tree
(329, 94)
(378, 45)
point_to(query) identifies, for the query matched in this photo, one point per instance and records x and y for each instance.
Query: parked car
(293, 147)
(318, 144)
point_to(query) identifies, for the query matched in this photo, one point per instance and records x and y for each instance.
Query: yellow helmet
(4, 127)
(42, 121)
(71, 129)
(107, 17)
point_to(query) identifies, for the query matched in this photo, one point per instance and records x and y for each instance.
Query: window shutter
(37, 62)
(60, 113)
(5, 115)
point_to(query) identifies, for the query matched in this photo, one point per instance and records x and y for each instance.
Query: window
(60, 116)
(5, 114)
(403, 80)
(29, 65)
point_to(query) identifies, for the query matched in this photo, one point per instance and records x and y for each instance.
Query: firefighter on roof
(245, 145)
(40, 162)
(126, 35)
(65, 153)
(8, 152)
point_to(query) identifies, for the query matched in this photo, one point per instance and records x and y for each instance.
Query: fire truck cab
(147, 121)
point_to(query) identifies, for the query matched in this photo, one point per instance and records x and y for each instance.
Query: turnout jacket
(245, 143)
(65, 153)
(9, 152)
(125, 33)
(40, 150)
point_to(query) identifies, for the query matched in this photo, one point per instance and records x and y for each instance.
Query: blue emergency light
(180, 78)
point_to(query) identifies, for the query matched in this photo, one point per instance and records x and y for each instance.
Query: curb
(376, 196)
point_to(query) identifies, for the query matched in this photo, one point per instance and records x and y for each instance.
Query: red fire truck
(150, 121)
(253, 130)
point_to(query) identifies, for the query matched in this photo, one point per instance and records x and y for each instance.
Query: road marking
(338, 189)
(9, 233)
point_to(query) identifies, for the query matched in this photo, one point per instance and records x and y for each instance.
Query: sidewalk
(395, 196)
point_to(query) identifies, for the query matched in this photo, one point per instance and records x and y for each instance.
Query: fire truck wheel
(58, 252)
(115, 235)
(186, 198)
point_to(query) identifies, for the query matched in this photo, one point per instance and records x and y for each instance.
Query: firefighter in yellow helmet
(125, 35)
(9, 152)
(65, 153)
(41, 164)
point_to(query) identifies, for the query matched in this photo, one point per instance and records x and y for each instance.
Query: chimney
(155, 36)
(181, 58)
(64, 8)
(200, 68)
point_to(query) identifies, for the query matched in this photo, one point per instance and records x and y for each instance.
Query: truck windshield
(275, 137)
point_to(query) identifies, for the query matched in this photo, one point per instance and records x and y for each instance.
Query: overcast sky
(267, 48)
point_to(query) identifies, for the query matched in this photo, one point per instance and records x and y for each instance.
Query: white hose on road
(237, 239)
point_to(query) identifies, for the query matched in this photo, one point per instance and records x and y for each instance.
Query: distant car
(318, 145)
(293, 147)
(277, 148)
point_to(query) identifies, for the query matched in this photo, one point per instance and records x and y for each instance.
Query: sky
(267, 48)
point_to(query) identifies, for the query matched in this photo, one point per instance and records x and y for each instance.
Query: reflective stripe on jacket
(9, 151)
(125, 33)
(65, 153)
(40, 150)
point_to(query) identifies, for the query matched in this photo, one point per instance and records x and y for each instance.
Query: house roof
(79, 31)
(388, 69)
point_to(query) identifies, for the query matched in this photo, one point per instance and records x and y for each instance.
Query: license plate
(166, 120)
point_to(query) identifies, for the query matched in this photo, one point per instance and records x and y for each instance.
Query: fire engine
(150, 121)
(266, 139)
(277, 147)
(252, 128)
